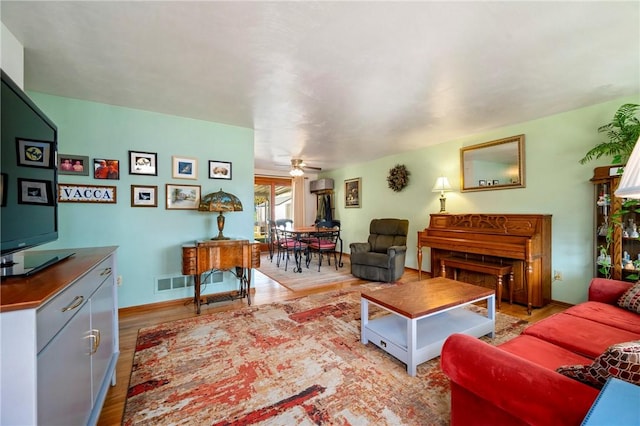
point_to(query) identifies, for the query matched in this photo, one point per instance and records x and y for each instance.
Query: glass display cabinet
(616, 228)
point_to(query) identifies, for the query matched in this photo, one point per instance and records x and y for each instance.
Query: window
(273, 199)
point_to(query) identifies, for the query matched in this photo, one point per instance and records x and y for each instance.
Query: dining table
(299, 234)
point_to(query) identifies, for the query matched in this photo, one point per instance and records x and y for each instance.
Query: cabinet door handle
(77, 301)
(94, 335)
(97, 334)
(107, 271)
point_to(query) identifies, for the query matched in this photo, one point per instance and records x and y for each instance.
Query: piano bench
(497, 269)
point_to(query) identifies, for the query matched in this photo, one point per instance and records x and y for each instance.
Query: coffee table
(422, 315)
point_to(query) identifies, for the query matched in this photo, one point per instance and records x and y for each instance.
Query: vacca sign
(70, 193)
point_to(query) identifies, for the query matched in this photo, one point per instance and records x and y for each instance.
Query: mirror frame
(474, 183)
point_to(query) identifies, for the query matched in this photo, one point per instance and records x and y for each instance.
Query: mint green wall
(556, 184)
(149, 238)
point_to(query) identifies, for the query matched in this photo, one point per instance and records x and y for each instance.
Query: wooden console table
(237, 256)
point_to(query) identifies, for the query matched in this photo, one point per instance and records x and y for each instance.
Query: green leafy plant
(623, 132)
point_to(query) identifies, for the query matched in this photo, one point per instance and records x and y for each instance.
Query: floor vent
(177, 282)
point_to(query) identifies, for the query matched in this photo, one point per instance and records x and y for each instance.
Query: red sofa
(515, 383)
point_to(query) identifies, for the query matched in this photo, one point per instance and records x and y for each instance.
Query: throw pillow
(631, 299)
(621, 360)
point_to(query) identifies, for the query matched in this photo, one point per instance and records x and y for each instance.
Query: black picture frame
(73, 165)
(105, 168)
(4, 181)
(143, 163)
(219, 170)
(34, 153)
(35, 191)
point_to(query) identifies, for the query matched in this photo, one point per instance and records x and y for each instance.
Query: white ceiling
(334, 83)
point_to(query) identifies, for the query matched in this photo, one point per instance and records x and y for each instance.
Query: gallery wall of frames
(177, 196)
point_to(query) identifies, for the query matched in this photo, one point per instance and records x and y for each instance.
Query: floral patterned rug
(298, 362)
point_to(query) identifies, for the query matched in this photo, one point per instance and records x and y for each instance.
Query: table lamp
(629, 186)
(220, 202)
(442, 186)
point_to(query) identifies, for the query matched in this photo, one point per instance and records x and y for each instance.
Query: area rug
(309, 277)
(298, 362)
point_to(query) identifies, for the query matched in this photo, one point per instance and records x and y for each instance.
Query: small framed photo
(35, 191)
(144, 196)
(482, 182)
(4, 179)
(183, 197)
(352, 190)
(73, 165)
(106, 169)
(34, 153)
(219, 170)
(185, 168)
(496, 182)
(143, 163)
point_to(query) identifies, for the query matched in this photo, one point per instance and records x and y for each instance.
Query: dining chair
(287, 245)
(323, 242)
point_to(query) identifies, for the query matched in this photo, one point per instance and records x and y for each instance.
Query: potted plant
(623, 132)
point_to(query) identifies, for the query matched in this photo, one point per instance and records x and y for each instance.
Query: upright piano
(524, 240)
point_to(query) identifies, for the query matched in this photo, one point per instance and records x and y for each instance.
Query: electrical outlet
(119, 280)
(557, 276)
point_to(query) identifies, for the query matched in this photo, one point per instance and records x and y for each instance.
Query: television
(28, 182)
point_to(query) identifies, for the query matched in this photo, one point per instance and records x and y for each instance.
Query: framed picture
(183, 197)
(143, 163)
(219, 170)
(185, 168)
(73, 165)
(106, 169)
(352, 189)
(78, 193)
(144, 196)
(482, 182)
(35, 191)
(496, 182)
(34, 153)
(4, 178)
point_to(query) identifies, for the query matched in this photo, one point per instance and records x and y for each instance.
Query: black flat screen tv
(28, 181)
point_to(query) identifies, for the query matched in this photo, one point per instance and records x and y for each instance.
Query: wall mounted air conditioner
(320, 185)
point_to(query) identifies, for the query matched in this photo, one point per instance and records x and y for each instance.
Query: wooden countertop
(30, 292)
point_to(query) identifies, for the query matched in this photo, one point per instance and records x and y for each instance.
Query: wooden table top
(420, 298)
(30, 292)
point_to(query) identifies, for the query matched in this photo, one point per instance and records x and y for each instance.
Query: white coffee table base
(414, 341)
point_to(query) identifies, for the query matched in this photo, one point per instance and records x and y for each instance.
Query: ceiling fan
(298, 167)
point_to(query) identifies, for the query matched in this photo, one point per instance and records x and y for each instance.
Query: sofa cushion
(605, 313)
(621, 360)
(631, 299)
(582, 336)
(541, 352)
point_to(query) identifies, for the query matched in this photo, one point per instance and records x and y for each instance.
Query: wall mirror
(493, 165)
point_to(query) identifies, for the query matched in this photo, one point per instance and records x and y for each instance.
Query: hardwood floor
(266, 291)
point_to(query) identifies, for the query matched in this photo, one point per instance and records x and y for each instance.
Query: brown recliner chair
(382, 257)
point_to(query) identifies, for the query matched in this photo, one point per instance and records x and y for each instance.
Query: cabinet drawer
(58, 311)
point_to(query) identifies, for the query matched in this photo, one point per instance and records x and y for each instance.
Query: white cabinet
(67, 361)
